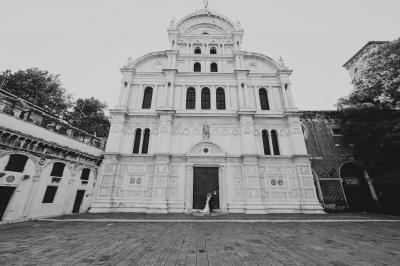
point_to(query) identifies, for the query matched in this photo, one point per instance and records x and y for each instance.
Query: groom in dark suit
(212, 200)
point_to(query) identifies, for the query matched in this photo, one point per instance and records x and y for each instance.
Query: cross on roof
(205, 4)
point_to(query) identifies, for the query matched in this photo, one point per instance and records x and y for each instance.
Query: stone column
(189, 187)
(213, 99)
(223, 188)
(198, 98)
(241, 78)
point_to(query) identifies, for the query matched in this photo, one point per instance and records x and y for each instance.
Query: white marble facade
(227, 135)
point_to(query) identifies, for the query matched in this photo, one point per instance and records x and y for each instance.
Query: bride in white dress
(207, 207)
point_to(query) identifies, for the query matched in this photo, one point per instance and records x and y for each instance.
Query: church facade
(205, 116)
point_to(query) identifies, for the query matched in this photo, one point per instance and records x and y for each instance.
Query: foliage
(375, 134)
(378, 83)
(45, 90)
(89, 115)
(38, 87)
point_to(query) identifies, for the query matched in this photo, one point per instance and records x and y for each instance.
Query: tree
(38, 87)
(378, 84)
(375, 135)
(371, 121)
(90, 115)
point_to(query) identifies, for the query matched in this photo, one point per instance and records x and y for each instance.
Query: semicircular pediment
(205, 28)
(206, 148)
(152, 62)
(220, 22)
(254, 59)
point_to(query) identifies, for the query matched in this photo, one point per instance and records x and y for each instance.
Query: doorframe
(221, 183)
(10, 202)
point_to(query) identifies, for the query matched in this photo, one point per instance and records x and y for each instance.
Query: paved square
(200, 243)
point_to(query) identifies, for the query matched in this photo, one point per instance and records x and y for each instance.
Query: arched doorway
(16, 174)
(355, 187)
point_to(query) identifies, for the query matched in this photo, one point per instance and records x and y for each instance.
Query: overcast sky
(87, 41)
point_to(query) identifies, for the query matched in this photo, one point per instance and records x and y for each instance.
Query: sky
(87, 41)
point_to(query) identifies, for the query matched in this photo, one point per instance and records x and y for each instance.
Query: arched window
(148, 94)
(221, 99)
(136, 145)
(263, 99)
(16, 163)
(275, 144)
(205, 98)
(146, 138)
(213, 50)
(265, 139)
(197, 67)
(85, 174)
(214, 67)
(197, 50)
(58, 169)
(191, 98)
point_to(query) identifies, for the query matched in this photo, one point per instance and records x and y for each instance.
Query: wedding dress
(206, 209)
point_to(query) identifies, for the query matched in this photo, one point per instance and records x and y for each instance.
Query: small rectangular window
(336, 131)
(50, 194)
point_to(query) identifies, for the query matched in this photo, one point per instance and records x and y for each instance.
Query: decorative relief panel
(278, 195)
(274, 169)
(251, 170)
(254, 193)
(106, 180)
(119, 193)
(253, 182)
(104, 191)
(160, 180)
(109, 168)
(307, 181)
(309, 193)
(161, 169)
(293, 194)
(136, 168)
(275, 182)
(174, 170)
(304, 170)
(289, 171)
(123, 168)
(137, 182)
(134, 193)
(238, 187)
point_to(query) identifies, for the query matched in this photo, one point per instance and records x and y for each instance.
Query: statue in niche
(206, 132)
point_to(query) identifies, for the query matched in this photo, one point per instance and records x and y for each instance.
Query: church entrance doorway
(205, 180)
(5, 196)
(78, 201)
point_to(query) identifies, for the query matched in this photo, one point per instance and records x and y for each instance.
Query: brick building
(342, 183)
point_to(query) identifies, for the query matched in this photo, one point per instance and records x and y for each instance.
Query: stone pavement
(200, 243)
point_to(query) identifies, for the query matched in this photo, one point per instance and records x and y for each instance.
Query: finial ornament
(205, 4)
(281, 61)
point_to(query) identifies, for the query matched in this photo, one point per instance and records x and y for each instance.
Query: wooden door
(5, 196)
(205, 180)
(78, 201)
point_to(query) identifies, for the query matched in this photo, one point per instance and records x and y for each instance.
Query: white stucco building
(205, 115)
